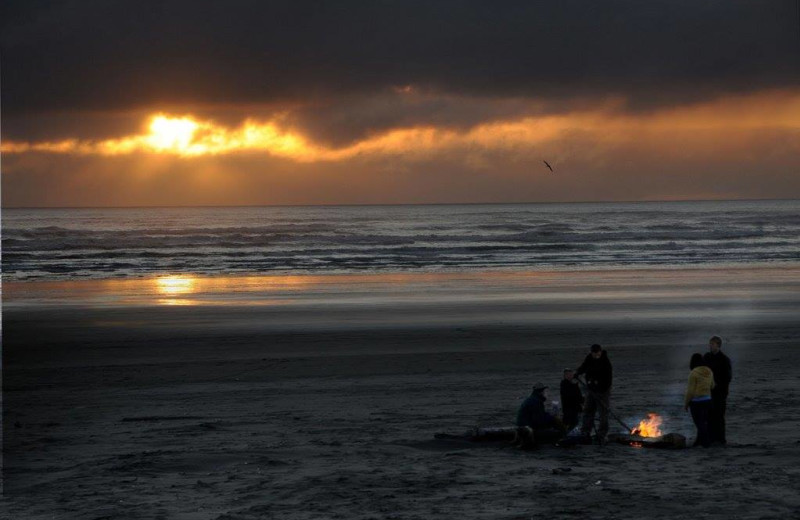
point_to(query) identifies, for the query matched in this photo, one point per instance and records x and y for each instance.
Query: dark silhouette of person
(571, 399)
(534, 424)
(720, 365)
(599, 374)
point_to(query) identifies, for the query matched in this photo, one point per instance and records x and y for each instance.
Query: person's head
(696, 361)
(715, 344)
(540, 389)
(569, 374)
(596, 350)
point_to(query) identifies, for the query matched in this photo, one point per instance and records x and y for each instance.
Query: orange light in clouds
(171, 133)
(186, 136)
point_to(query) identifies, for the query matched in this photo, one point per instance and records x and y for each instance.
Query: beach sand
(318, 397)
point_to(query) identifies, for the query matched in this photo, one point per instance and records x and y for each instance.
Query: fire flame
(650, 426)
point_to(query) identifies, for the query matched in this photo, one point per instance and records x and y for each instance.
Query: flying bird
(548, 165)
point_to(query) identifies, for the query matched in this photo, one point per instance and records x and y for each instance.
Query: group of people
(706, 398)
(707, 393)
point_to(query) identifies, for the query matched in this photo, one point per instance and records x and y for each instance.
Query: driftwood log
(498, 433)
(669, 441)
(508, 433)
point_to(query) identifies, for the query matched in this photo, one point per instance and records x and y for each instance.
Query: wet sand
(318, 397)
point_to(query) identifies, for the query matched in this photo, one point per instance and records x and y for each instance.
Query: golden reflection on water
(174, 289)
(639, 286)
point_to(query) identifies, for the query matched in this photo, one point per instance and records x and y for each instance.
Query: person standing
(720, 365)
(597, 368)
(571, 399)
(698, 398)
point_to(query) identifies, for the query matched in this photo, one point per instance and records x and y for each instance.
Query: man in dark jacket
(720, 364)
(597, 369)
(571, 399)
(533, 419)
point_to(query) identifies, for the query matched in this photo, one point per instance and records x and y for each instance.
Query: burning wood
(648, 434)
(650, 426)
(666, 441)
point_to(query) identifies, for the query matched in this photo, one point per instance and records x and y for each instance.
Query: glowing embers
(650, 426)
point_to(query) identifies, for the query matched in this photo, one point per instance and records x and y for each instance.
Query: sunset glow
(171, 133)
(174, 285)
(188, 136)
(465, 107)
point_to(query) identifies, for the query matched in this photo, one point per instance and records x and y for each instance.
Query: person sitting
(698, 398)
(571, 399)
(534, 425)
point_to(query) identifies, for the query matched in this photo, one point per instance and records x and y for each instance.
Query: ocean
(62, 244)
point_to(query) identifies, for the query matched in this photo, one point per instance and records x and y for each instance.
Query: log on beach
(491, 434)
(669, 441)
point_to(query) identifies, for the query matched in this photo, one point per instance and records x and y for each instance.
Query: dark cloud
(107, 55)
(344, 120)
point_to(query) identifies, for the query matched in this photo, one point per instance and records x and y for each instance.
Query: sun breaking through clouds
(187, 136)
(186, 102)
(183, 136)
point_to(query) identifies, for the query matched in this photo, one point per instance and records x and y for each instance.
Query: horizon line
(395, 204)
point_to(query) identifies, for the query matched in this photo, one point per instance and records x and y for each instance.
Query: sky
(122, 103)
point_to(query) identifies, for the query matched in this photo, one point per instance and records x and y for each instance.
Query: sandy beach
(319, 396)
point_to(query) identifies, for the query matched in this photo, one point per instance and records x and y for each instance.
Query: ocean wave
(99, 243)
(112, 240)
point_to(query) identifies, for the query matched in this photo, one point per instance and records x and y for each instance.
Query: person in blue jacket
(535, 425)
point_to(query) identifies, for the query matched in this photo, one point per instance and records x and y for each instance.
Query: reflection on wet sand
(174, 289)
(174, 285)
(513, 296)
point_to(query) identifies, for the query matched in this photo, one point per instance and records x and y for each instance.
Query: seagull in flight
(548, 165)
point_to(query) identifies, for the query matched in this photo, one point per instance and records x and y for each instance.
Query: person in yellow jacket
(698, 398)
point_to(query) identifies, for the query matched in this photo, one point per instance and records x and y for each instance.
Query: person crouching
(534, 425)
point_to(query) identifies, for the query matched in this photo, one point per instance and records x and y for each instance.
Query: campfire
(650, 426)
(648, 434)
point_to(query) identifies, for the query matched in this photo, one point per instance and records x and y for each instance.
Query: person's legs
(716, 419)
(570, 418)
(723, 404)
(588, 415)
(700, 412)
(603, 404)
(713, 421)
